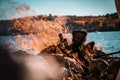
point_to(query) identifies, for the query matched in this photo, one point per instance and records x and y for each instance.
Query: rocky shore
(78, 61)
(84, 61)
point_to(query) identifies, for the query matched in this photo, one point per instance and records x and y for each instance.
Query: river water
(107, 41)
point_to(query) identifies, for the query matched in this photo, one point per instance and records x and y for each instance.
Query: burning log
(79, 39)
(104, 55)
(83, 55)
(75, 61)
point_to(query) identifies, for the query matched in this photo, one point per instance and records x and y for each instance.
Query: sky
(13, 8)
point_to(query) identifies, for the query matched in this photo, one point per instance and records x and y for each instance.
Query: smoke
(22, 10)
(43, 68)
(68, 36)
(41, 33)
(22, 66)
(40, 67)
(23, 7)
(99, 46)
(11, 9)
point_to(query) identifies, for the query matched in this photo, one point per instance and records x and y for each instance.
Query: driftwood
(95, 69)
(118, 52)
(70, 57)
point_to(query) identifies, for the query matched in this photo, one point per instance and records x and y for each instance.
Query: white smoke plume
(41, 33)
(40, 67)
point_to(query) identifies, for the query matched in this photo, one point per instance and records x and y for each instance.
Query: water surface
(107, 41)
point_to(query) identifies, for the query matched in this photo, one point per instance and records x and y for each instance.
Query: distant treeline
(108, 22)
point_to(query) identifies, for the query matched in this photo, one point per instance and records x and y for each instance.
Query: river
(107, 41)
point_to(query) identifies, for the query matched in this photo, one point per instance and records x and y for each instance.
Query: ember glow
(37, 33)
(41, 33)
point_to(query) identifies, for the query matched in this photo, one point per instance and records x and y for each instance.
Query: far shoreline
(69, 32)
